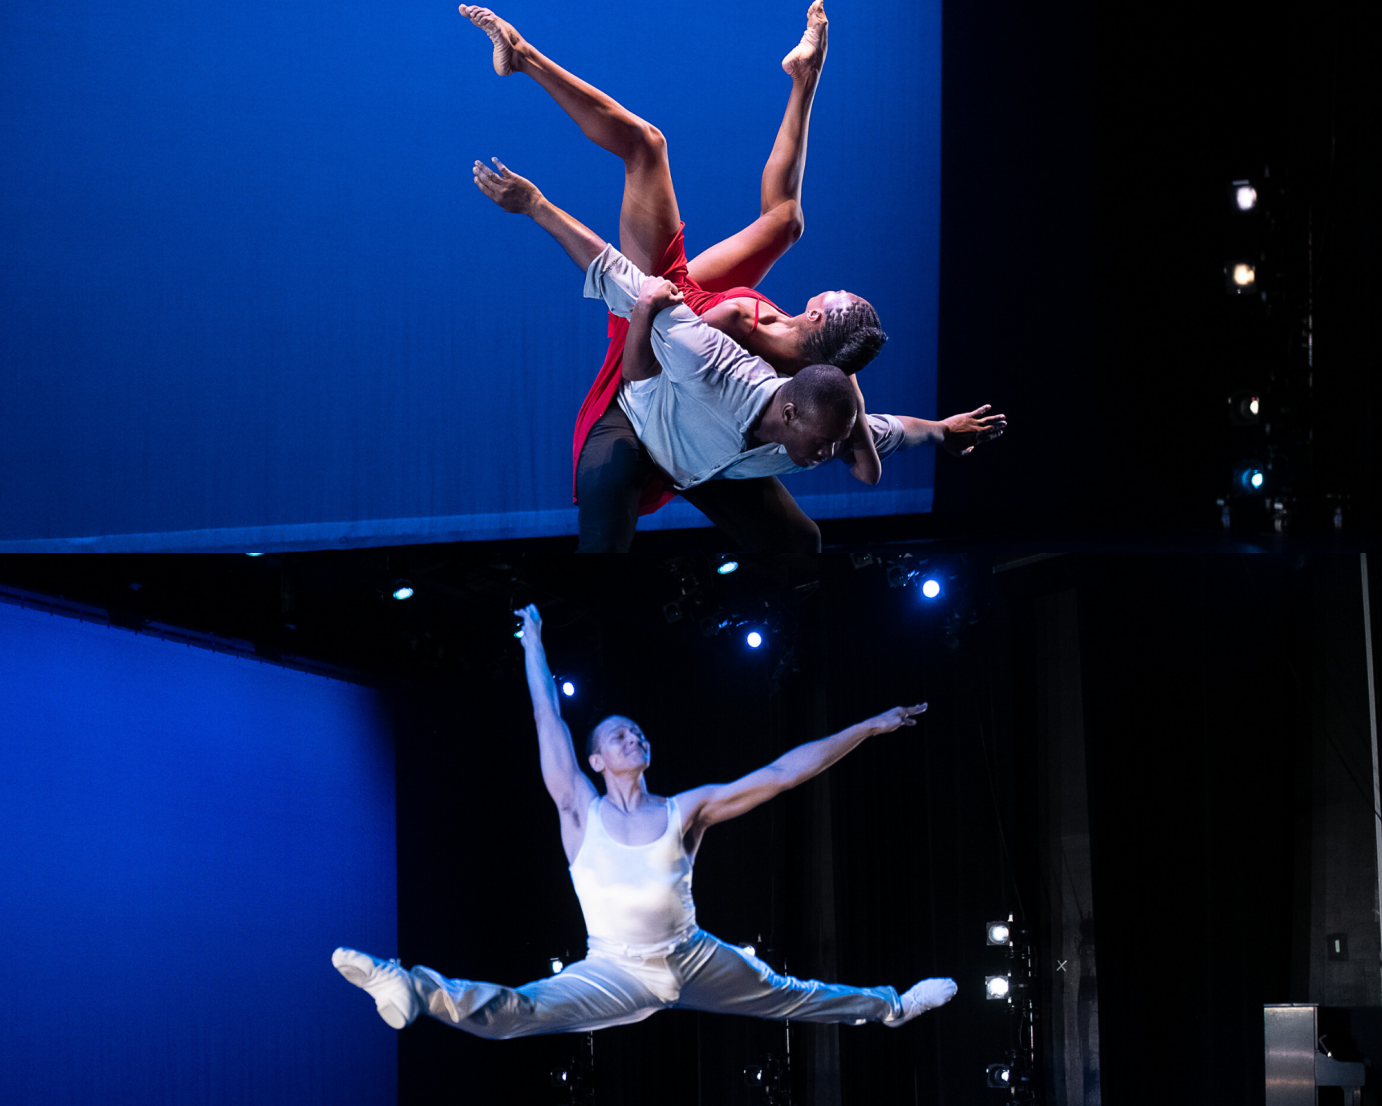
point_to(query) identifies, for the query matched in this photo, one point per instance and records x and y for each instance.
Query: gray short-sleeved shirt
(695, 416)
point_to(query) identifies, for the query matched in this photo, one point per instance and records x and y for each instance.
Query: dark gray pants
(759, 514)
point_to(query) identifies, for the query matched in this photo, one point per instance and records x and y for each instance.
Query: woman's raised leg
(744, 259)
(648, 218)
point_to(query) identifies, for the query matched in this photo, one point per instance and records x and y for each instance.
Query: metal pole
(1372, 725)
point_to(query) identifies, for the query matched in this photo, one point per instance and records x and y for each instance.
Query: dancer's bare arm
(639, 362)
(862, 453)
(520, 196)
(702, 807)
(958, 434)
(569, 787)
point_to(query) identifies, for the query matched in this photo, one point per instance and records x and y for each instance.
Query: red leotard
(656, 490)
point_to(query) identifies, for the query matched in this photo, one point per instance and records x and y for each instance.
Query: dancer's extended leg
(594, 993)
(744, 259)
(648, 218)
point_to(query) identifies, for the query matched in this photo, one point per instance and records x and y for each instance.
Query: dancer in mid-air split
(630, 855)
(616, 480)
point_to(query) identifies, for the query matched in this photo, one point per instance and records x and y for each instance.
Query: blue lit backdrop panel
(253, 296)
(187, 837)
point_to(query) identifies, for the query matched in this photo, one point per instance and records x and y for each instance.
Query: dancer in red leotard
(615, 481)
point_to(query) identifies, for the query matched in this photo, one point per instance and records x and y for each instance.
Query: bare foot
(509, 45)
(809, 55)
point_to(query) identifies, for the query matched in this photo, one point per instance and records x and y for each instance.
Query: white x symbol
(1060, 965)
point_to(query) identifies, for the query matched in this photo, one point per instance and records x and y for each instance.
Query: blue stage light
(726, 566)
(930, 587)
(403, 590)
(1250, 478)
(754, 638)
(254, 554)
(568, 688)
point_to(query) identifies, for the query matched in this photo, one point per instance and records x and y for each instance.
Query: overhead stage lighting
(1241, 277)
(996, 987)
(557, 965)
(725, 564)
(754, 639)
(1249, 478)
(999, 1076)
(1244, 408)
(930, 587)
(1000, 933)
(568, 688)
(403, 590)
(1244, 195)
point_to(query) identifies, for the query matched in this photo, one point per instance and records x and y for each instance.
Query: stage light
(749, 950)
(557, 965)
(568, 688)
(754, 639)
(1244, 195)
(403, 590)
(1249, 478)
(996, 986)
(1244, 408)
(725, 564)
(1240, 277)
(999, 1076)
(930, 587)
(1000, 933)
(754, 1077)
(254, 554)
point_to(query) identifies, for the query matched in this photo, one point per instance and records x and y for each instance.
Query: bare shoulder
(732, 317)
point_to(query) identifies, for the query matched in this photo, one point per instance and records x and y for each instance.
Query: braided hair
(849, 337)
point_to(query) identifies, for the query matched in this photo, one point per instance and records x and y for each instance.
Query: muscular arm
(639, 360)
(520, 196)
(719, 802)
(569, 787)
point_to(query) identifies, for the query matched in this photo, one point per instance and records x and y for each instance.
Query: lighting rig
(1269, 466)
(576, 1077)
(943, 587)
(1016, 988)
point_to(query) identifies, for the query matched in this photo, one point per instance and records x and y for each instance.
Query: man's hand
(513, 193)
(656, 295)
(964, 432)
(890, 720)
(532, 625)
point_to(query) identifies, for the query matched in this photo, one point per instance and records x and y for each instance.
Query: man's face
(620, 745)
(811, 438)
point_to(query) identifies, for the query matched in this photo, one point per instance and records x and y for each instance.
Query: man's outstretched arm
(719, 802)
(520, 196)
(569, 787)
(958, 434)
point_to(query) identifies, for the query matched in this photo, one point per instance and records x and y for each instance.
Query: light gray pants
(604, 989)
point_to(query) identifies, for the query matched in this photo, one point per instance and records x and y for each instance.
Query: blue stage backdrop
(253, 298)
(187, 836)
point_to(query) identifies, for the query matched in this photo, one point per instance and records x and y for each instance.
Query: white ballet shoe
(921, 997)
(809, 54)
(385, 981)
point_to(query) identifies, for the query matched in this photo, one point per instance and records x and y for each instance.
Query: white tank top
(635, 898)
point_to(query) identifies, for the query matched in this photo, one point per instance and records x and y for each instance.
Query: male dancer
(615, 480)
(631, 854)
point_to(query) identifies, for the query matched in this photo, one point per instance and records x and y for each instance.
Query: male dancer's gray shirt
(694, 417)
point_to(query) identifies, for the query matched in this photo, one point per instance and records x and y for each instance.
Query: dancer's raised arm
(520, 196)
(958, 434)
(569, 787)
(702, 807)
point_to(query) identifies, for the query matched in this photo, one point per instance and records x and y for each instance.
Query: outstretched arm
(569, 787)
(520, 196)
(719, 802)
(958, 434)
